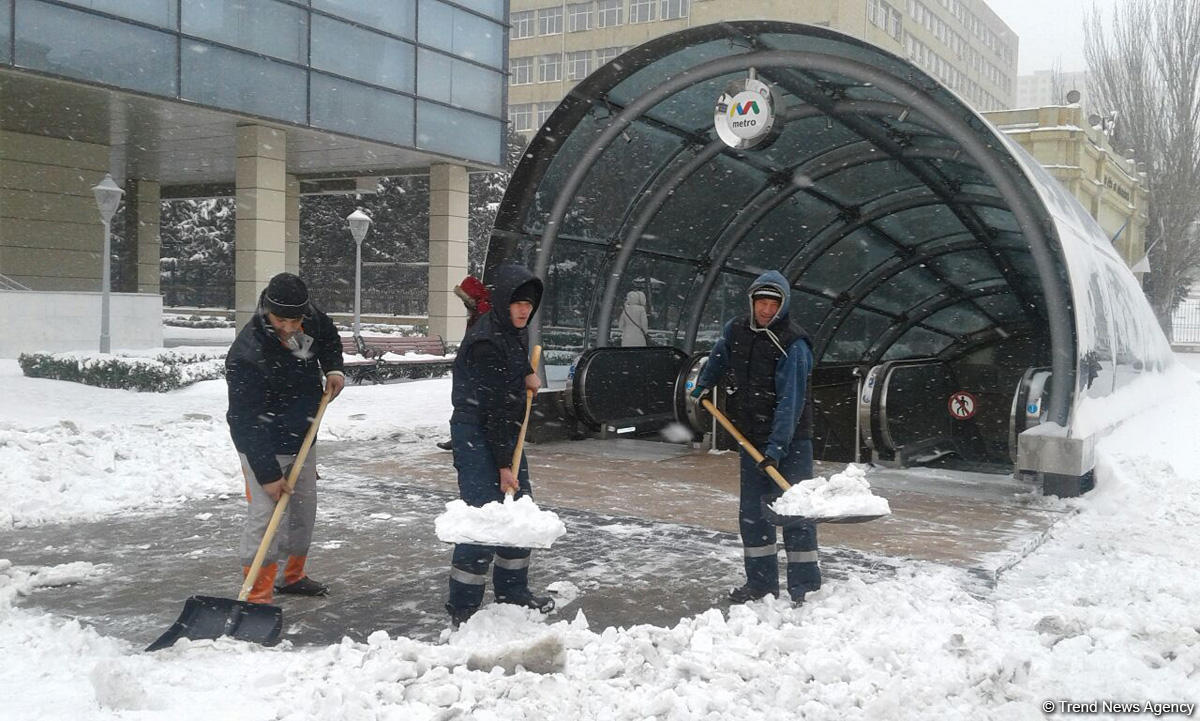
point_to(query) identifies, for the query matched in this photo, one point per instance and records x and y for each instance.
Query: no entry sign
(961, 405)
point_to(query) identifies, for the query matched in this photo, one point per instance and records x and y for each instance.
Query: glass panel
(459, 83)
(802, 140)
(918, 343)
(491, 8)
(390, 16)
(359, 110)
(570, 280)
(262, 26)
(849, 259)
(916, 225)
(5, 32)
(461, 33)
(727, 300)
(966, 267)
(689, 221)
(363, 55)
(998, 219)
(860, 184)
(905, 289)
(808, 309)
(774, 242)
(855, 336)
(79, 45)
(648, 77)
(151, 12)
(458, 133)
(616, 180)
(959, 320)
(1004, 308)
(229, 79)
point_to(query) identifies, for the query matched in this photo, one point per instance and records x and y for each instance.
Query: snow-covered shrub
(196, 321)
(164, 371)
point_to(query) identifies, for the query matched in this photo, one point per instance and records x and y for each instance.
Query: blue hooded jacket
(791, 372)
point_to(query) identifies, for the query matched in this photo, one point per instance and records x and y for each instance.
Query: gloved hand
(699, 391)
(768, 462)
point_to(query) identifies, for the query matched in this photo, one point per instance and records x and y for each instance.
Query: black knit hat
(286, 296)
(527, 291)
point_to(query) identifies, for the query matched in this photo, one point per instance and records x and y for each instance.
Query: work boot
(545, 604)
(745, 593)
(459, 616)
(304, 587)
(445, 445)
(260, 592)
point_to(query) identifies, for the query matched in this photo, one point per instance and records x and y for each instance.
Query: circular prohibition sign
(962, 405)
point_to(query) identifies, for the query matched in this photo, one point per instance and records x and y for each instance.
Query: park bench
(380, 357)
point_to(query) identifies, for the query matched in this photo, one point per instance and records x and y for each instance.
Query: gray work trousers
(295, 531)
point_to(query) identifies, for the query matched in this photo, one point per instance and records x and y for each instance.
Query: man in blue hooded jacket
(764, 362)
(491, 375)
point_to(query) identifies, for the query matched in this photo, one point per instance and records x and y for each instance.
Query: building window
(608, 13)
(520, 71)
(895, 24)
(520, 117)
(579, 64)
(674, 9)
(604, 55)
(579, 17)
(522, 25)
(641, 11)
(543, 112)
(550, 21)
(550, 68)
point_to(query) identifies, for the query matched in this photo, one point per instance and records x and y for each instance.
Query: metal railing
(1185, 323)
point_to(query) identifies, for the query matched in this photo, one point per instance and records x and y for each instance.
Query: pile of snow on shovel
(845, 494)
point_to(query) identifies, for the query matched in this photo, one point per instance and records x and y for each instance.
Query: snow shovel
(499, 516)
(768, 512)
(209, 617)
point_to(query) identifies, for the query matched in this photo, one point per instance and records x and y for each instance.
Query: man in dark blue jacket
(491, 376)
(274, 370)
(764, 362)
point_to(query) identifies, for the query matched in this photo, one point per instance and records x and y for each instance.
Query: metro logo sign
(744, 108)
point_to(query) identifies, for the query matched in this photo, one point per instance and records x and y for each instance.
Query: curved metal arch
(1004, 175)
(926, 308)
(887, 270)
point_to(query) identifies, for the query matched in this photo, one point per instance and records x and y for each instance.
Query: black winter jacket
(273, 392)
(490, 369)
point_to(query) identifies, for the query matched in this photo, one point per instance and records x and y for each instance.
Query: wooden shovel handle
(290, 483)
(535, 356)
(737, 436)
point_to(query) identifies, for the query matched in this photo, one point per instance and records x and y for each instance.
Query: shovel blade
(793, 521)
(209, 617)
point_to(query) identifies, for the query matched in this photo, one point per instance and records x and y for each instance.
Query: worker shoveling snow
(518, 523)
(845, 495)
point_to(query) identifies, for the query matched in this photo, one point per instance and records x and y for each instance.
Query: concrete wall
(50, 231)
(60, 321)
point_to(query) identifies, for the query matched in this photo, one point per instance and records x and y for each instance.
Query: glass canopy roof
(908, 226)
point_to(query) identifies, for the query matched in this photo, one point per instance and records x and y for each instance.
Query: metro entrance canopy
(913, 233)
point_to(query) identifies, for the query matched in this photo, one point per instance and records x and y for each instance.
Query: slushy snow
(843, 495)
(518, 523)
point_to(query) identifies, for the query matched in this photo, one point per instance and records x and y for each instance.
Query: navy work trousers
(479, 483)
(758, 534)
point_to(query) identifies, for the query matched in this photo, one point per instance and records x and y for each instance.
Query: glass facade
(356, 66)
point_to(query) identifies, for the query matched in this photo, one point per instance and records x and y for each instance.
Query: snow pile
(845, 494)
(518, 523)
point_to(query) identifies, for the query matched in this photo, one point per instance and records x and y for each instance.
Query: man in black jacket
(274, 370)
(491, 376)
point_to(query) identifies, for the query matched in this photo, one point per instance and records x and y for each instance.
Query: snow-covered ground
(1107, 609)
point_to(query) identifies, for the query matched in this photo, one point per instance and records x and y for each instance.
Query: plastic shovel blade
(793, 521)
(209, 617)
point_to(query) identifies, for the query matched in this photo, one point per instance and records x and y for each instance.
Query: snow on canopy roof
(907, 224)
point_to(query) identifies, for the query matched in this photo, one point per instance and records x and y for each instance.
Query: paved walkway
(651, 538)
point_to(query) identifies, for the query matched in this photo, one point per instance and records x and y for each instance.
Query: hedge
(161, 372)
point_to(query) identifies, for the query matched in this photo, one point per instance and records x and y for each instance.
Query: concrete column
(291, 233)
(260, 236)
(143, 214)
(448, 189)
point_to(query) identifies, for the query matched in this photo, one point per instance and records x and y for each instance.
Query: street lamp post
(108, 197)
(359, 222)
